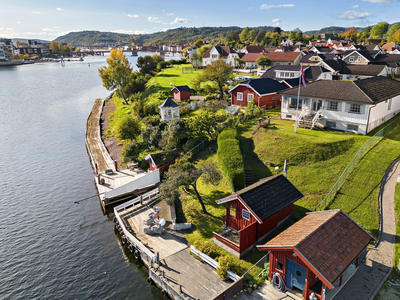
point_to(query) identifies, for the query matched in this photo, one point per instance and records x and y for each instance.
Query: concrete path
(373, 273)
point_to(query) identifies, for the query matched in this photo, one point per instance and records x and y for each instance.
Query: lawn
(170, 77)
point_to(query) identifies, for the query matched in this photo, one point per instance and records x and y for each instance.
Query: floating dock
(113, 185)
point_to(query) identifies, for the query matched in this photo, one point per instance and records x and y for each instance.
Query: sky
(48, 19)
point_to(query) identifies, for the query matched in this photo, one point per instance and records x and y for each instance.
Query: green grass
(170, 77)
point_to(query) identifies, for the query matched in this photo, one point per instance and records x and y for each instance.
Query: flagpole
(297, 107)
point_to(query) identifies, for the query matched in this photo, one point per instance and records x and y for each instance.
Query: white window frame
(354, 127)
(247, 213)
(355, 108)
(239, 96)
(359, 59)
(351, 59)
(330, 106)
(249, 96)
(390, 104)
(330, 123)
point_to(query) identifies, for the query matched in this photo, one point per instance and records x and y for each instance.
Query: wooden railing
(132, 202)
(227, 242)
(212, 262)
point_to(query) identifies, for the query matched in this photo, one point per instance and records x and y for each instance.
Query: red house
(254, 211)
(262, 91)
(317, 254)
(162, 160)
(181, 92)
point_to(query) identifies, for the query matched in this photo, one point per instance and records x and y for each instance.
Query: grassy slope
(358, 196)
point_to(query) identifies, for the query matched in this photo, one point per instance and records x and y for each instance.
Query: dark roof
(169, 103)
(268, 196)
(254, 49)
(387, 58)
(263, 86)
(367, 54)
(223, 51)
(368, 70)
(182, 88)
(370, 90)
(311, 73)
(329, 240)
(336, 64)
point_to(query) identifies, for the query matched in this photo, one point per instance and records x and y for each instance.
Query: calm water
(50, 247)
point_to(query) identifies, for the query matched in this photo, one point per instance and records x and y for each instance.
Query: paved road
(372, 274)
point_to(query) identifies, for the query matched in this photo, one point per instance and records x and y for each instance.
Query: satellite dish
(162, 222)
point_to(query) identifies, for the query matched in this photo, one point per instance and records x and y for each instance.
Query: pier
(113, 185)
(168, 257)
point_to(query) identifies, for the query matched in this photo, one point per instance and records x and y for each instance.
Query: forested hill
(330, 29)
(178, 36)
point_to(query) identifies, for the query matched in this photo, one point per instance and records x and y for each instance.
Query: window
(293, 103)
(250, 97)
(245, 215)
(279, 265)
(239, 96)
(288, 116)
(333, 105)
(352, 127)
(330, 124)
(214, 55)
(355, 108)
(390, 104)
(351, 59)
(359, 59)
(232, 211)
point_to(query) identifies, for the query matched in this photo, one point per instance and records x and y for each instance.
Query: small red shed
(162, 160)
(254, 211)
(181, 92)
(262, 91)
(316, 253)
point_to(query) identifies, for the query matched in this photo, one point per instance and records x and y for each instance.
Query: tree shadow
(252, 160)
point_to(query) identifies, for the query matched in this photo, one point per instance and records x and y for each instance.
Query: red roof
(251, 57)
(329, 240)
(283, 56)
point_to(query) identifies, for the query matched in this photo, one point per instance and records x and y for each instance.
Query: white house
(357, 106)
(226, 53)
(169, 110)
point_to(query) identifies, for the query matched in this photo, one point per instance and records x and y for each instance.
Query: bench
(109, 172)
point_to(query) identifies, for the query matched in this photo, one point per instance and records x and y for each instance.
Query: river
(51, 247)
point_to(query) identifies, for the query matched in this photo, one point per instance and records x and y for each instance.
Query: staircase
(309, 120)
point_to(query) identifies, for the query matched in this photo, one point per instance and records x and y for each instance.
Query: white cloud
(250, 8)
(355, 6)
(49, 29)
(9, 29)
(56, 27)
(352, 15)
(132, 16)
(180, 20)
(276, 22)
(267, 6)
(380, 1)
(36, 12)
(58, 8)
(170, 14)
(154, 19)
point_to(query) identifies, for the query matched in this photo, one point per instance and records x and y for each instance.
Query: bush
(230, 159)
(225, 264)
(128, 128)
(208, 248)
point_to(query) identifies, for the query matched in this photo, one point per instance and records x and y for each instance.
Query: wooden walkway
(178, 268)
(267, 292)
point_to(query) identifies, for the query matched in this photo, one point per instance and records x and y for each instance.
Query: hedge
(230, 159)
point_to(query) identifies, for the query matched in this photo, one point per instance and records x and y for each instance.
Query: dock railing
(364, 149)
(260, 268)
(212, 262)
(137, 200)
(165, 287)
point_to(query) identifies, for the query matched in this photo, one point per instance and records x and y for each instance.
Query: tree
(198, 44)
(117, 72)
(219, 72)
(259, 37)
(252, 36)
(54, 47)
(172, 135)
(147, 65)
(263, 62)
(379, 30)
(184, 173)
(391, 32)
(396, 36)
(200, 52)
(128, 128)
(350, 33)
(244, 35)
(278, 30)
(233, 37)
(203, 126)
(240, 62)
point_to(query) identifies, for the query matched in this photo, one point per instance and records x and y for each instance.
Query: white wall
(380, 113)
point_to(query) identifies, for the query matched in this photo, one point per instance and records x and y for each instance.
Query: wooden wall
(237, 223)
(273, 221)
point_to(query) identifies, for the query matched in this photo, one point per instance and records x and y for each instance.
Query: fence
(166, 288)
(364, 149)
(259, 269)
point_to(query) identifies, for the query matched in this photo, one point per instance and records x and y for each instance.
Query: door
(295, 276)
(317, 105)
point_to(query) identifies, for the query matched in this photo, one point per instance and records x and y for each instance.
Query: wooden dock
(171, 266)
(113, 185)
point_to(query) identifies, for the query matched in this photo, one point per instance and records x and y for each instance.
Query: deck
(116, 183)
(267, 291)
(177, 267)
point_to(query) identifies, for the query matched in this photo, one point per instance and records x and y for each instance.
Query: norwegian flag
(303, 80)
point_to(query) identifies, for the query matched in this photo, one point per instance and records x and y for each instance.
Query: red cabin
(254, 211)
(181, 92)
(317, 254)
(262, 91)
